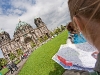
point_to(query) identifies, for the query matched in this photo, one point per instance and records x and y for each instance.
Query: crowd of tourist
(12, 67)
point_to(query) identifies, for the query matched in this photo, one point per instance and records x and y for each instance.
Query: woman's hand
(94, 54)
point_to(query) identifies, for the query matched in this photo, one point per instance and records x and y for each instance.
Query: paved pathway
(20, 65)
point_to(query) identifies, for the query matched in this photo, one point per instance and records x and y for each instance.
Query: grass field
(40, 61)
(4, 71)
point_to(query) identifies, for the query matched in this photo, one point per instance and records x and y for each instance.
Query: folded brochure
(76, 56)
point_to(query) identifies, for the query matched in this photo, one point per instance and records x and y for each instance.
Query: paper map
(79, 55)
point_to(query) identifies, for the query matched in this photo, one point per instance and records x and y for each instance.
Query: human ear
(78, 23)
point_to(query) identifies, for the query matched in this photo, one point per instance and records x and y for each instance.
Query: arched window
(2, 37)
(39, 21)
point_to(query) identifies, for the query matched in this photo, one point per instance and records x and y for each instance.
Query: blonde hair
(86, 8)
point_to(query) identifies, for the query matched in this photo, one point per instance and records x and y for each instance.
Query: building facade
(23, 36)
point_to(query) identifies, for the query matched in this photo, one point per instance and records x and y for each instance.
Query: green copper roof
(20, 24)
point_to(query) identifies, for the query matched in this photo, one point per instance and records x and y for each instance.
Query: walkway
(20, 65)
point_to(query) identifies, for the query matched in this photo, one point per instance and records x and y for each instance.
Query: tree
(51, 33)
(12, 56)
(19, 52)
(32, 44)
(41, 39)
(62, 28)
(45, 37)
(59, 30)
(56, 32)
(3, 62)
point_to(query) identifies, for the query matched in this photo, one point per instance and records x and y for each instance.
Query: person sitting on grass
(74, 35)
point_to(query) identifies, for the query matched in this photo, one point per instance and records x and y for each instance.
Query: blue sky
(1, 55)
(7, 5)
(53, 13)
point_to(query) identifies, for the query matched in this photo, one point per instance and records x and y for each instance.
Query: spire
(19, 20)
(1, 30)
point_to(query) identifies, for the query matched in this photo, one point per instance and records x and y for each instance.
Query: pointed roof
(1, 30)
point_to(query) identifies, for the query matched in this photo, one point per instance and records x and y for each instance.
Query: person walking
(14, 66)
(9, 66)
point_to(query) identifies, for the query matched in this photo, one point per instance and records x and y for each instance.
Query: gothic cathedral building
(23, 35)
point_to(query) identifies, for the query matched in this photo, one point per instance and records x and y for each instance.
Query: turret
(38, 22)
(4, 37)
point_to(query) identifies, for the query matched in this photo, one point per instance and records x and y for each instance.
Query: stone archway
(47, 35)
(27, 40)
(29, 43)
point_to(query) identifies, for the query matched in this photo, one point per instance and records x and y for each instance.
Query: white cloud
(15, 11)
(53, 13)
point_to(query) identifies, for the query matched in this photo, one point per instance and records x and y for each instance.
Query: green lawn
(40, 61)
(4, 71)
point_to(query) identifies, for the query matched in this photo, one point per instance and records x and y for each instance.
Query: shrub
(12, 56)
(19, 52)
(32, 44)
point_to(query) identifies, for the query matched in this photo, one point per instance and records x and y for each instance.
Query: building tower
(38, 22)
(4, 42)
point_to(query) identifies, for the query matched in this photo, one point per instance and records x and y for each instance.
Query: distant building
(23, 35)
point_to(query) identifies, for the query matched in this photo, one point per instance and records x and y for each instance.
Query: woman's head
(71, 28)
(86, 15)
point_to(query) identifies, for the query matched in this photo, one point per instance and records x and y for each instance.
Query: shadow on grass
(57, 71)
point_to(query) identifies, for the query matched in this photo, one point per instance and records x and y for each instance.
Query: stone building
(24, 34)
